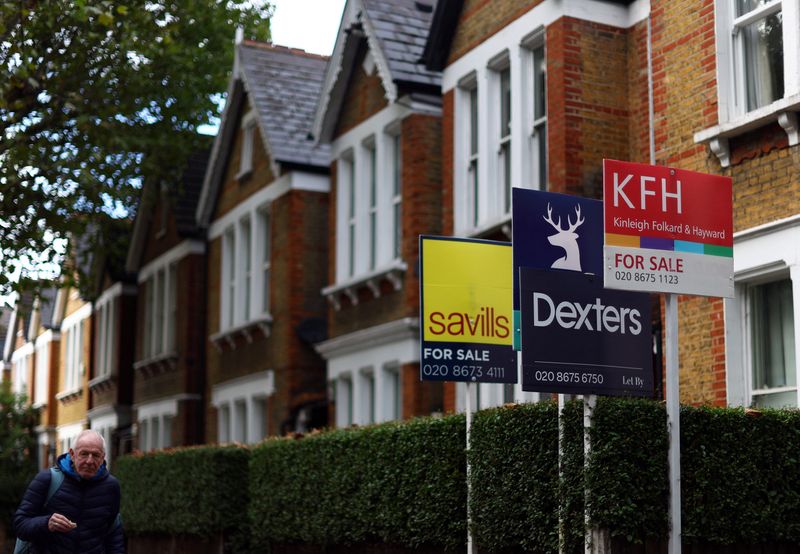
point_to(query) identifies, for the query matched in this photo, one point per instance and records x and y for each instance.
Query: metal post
(468, 405)
(673, 422)
(589, 404)
(561, 523)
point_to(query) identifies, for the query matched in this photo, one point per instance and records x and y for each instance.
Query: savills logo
(566, 239)
(486, 323)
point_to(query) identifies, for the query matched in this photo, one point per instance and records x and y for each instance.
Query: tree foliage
(97, 95)
(17, 448)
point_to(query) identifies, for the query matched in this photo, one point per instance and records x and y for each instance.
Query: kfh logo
(566, 239)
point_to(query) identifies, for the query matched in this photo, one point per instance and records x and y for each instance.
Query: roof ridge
(283, 49)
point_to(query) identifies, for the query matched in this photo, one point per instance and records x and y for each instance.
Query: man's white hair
(87, 433)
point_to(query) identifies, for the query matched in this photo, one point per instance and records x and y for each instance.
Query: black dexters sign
(579, 338)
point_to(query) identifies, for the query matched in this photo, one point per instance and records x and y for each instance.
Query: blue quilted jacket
(91, 503)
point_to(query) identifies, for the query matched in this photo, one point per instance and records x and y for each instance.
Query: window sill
(246, 330)
(67, 396)
(244, 175)
(493, 227)
(157, 364)
(102, 383)
(784, 111)
(393, 273)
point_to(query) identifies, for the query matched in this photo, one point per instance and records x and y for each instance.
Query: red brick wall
(587, 100)
(481, 19)
(364, 95)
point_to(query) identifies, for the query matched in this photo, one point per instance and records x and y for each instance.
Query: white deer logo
(566, 239)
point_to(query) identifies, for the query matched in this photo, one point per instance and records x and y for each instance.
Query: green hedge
(394, 483)
(200, 491)
(405, 483)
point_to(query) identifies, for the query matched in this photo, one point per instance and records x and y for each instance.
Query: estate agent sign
(578, 338)
(465, 306)
(667, 230)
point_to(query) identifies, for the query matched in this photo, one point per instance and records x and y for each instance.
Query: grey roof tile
(402, 28)
(284, 85)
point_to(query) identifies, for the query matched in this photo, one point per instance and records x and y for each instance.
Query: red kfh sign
(667, 230)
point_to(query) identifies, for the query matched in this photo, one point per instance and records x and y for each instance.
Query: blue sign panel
(579, 338)
(554, 231)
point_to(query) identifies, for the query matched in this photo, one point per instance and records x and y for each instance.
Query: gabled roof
(46, 304)
(282, 85)
(19, 315)
(183, 198)
(443, 29)
(395, 31)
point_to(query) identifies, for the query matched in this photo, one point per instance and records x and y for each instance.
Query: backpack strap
(56, 478)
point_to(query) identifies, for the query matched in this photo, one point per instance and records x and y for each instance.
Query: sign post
(466, 312)
(668, 230)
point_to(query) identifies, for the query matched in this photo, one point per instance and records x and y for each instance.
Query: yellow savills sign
(467, 291)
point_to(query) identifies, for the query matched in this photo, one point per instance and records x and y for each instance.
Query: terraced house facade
(292, 284)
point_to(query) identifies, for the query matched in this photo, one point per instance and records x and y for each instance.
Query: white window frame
(344, 399)
(67, 435)
(767, 253)
(20, 360)
(73, 329)
(161, 300)
(396, 178)
(244, 263)
(248, 144)
(359, 258)
(154, 422)
(392, 394)
(42, 369)
(239, 403)
(730, 66)
(381, 352)
(265, 260)
(534, 163)
(246, 269)
(106, 337)
(499, 70)
(368, 396)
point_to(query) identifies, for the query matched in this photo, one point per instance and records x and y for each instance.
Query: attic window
(248, 139)
(369, 63)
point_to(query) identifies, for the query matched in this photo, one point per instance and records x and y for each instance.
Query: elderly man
(81, 516)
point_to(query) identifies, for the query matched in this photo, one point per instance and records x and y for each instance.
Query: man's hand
(60, 524)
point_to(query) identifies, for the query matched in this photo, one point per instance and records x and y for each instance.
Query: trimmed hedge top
(405, 483)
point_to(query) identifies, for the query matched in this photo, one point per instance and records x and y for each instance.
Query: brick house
(380, 112)
(72, 317)
(113, 344)
(537, 93)
(32, 344)
(264, 207)
(167, 254)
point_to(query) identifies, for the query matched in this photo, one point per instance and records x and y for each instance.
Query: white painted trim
(159, 408)
(544, 14)
(255, 385)
(179, 251)
(48, 336)
(78, 315)
(294, 180)
(760, 254)
(394, 341)
(114, 291)
(375, 125)
(24, 350)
